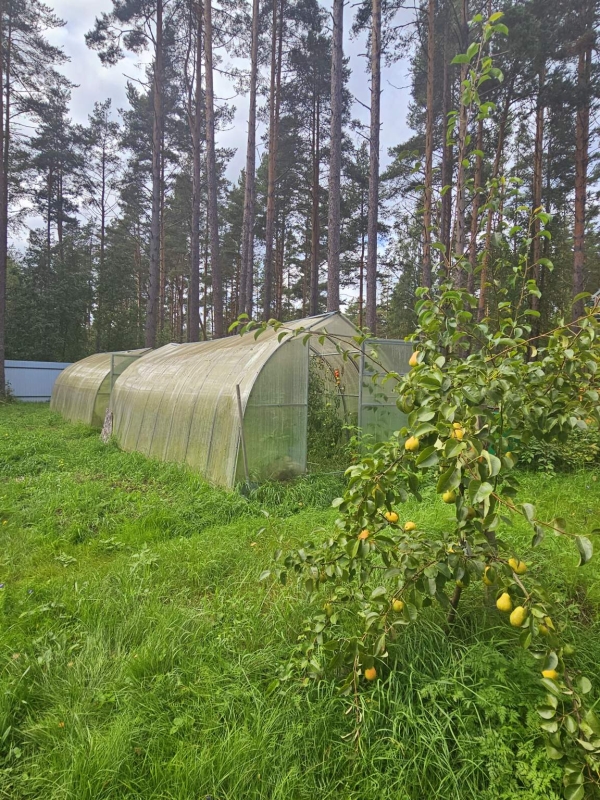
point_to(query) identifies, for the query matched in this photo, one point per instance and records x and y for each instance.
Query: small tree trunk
(538, 156)
(211, 176)
(361, 269)
(582, 137)
(428, 199)
(247, 270)
(196, 132)
(157, 127)
(335, 160)
(374, 167)
(162, 292)
(459, 217)
(477, 180)
(315, 233)
(447, 160)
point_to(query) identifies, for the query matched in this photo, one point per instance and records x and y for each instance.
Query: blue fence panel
(33, 380)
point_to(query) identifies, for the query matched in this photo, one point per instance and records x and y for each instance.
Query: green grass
(137, 645)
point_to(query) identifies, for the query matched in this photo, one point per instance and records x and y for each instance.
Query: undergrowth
(138, 649)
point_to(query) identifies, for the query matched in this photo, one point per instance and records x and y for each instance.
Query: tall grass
(138, 649)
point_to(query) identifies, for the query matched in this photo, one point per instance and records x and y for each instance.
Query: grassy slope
(136, 645)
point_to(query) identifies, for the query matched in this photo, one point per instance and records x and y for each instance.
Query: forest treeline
(141, 239)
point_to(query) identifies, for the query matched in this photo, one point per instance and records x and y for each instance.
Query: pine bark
(157, 127)
(3, 214)
(274, 96)
(481, 311)
(211, 177)
(196, 131)
(477, 181)
(247, 266)
(335, 159)
(538, 155)
(428, 193)
(447, 159)
(459, 237)
(582, 140)
(315, 226)
(371, 305)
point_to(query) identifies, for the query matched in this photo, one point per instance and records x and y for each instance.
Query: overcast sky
(95, 82)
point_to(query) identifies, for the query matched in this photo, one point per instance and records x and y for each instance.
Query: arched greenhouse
(237, 408)
(82, 391)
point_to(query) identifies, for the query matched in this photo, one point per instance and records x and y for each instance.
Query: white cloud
(96, 83)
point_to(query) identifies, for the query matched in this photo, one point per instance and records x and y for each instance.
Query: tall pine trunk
(371, 316)
(102, 258)
(447, 154)
(196, 132)
(428, 194)
(247, 267)
(211, 176)
(477, 181)
(459, 237)
(538, 155)
(157, 127)
(487, 242)
(582, 140)
(3, 212)
(315, 227)
(335, 159)
(274, 97)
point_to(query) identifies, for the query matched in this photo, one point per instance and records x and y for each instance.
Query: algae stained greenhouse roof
(180, 404)
(82, 391)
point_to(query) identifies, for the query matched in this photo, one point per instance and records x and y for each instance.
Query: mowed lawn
(138, 648)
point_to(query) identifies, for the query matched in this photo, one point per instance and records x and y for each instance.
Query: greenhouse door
(378, 414)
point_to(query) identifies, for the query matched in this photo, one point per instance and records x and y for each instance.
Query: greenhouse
(242, 408)
(236, 409)
(82, 391)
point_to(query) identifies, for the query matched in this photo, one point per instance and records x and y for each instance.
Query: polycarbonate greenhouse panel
(81, 392)
(180, 403)
(76, 390)
(275, 416)
(379, 416)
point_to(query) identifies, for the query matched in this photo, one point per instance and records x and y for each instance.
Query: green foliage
(326, 436)
(580, 452)
(481, 388)
(130, 612)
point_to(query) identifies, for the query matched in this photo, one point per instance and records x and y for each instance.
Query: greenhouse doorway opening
(332, 410)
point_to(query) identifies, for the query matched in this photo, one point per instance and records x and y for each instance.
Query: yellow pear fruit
(458, 431)
(410, 526)
(370, 673)
(518, 617)
(520, 567)
(398, 606)
(449, 497)
(550, 673)
(486, 578)
(411, 444)
(414, 359)
(391, 516)
(504, 603)
(364, 534)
